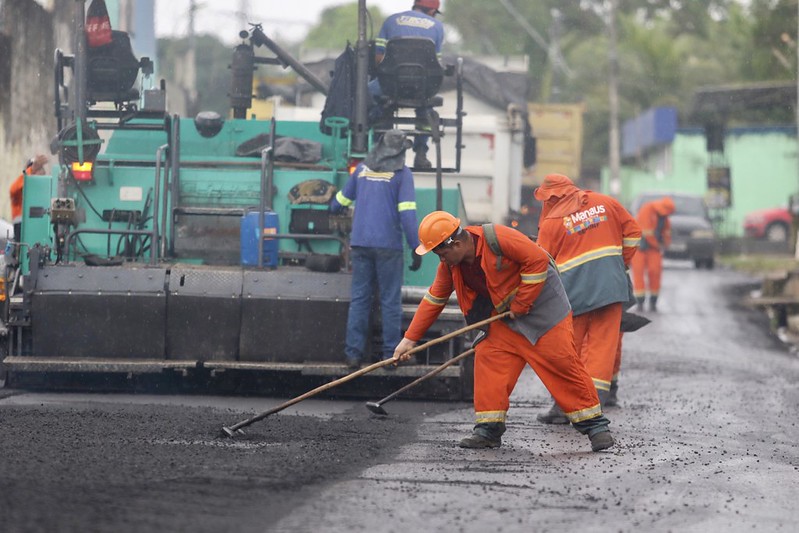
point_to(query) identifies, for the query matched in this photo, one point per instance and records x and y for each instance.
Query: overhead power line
(554, 55)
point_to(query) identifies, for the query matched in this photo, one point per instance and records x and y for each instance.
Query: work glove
(416, 261)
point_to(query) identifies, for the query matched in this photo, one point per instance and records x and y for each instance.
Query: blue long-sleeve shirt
(386, 208)
(410, 24)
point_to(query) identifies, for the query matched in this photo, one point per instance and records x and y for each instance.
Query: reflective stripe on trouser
(647, 264)
(597, 335)
(500, 359)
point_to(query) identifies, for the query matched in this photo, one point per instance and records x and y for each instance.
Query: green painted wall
(763, 168)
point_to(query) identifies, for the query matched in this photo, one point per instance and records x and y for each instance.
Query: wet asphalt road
(706, 429)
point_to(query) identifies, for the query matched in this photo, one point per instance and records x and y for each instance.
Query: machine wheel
(776, 232)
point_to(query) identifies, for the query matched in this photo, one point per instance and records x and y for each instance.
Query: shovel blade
(228, 432)
(376, 408)
(631, 322)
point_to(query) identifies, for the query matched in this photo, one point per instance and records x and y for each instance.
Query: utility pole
(243, 14)
(613, 102)
(554, 52)
(190, 78)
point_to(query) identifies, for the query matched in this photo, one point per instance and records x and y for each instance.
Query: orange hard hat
(435, 229)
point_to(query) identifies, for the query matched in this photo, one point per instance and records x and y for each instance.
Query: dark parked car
(692, 234)
(772, 224)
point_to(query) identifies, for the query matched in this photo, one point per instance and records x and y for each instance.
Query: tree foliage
(337, 26)
(212, 73)
(667, 49)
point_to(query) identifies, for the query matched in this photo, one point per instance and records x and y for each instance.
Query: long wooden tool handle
(457, 332)
(361, 372)
(310, 393)
(429, 375)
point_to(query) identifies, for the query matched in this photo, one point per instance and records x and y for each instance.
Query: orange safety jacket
(516, 285)
(593, 246)
(653, 217)
(15, 192)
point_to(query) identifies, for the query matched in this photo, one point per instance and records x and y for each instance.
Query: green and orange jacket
(592, 246)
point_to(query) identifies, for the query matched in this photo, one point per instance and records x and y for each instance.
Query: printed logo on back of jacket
(415, 22)
(582, 220)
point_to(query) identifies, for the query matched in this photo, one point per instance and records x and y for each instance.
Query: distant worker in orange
(592, 238)
(34, 166)
(519, 276)
(653, 217)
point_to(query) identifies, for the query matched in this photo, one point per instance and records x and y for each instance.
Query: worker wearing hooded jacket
(653, 217)
(592, 238)
(539, 332)
(382, 187)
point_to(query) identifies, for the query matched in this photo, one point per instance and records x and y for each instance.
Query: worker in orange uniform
(653, 217)
(592, 238)
(522, 279)
(34, 166)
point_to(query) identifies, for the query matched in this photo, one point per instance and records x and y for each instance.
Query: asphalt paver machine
(200, 249)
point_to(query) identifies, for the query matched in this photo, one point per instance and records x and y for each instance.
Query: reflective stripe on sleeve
(503, 306)
(631, 242)
(537, 277)
(406, 206)
(343, 200)
(435, 300)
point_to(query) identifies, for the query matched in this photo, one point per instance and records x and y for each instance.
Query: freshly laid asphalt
(706, 430)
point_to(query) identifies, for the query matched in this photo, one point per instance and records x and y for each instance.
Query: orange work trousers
(617, 360)
(501, 357)
(597, 334)
(647, 264)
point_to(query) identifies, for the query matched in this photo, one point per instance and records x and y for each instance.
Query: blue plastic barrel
(250, 235)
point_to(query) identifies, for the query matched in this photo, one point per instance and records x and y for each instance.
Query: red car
(770, 224)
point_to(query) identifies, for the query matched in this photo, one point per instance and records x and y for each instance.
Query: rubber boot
(601, 440)
(640, 301)
(597, 430)
(603, 397)
(653, 303)
(553, 416)
(420, 161)
(486, 435)
(613, 400)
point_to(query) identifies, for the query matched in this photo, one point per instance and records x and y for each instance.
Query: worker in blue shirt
(419, 21)
(382, 185)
